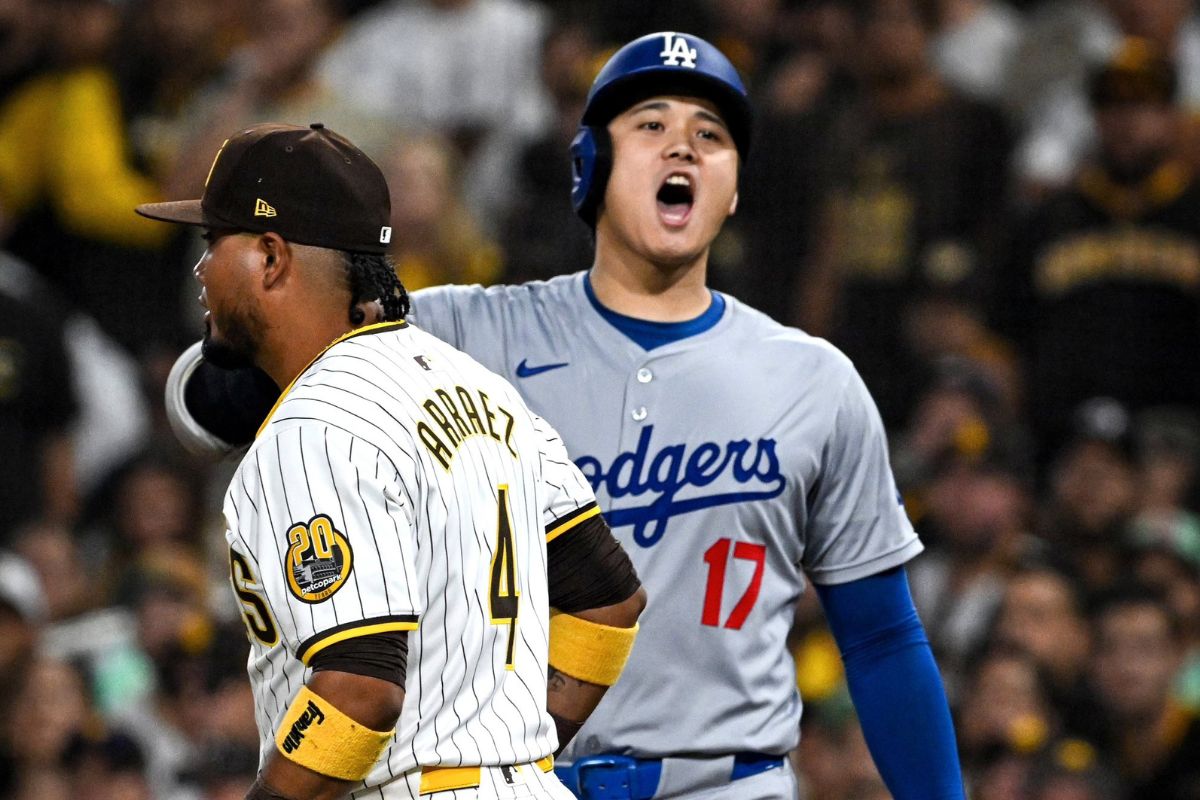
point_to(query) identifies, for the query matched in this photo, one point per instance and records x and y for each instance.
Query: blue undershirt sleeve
(895, 685)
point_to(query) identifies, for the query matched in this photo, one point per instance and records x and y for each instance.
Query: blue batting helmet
(656, 64)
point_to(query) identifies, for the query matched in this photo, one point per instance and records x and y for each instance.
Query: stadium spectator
(1168, 446)
(834, 761)
(616, 21)
(109, 767)
(975, 45)
(1092, 494)
(22, 613)
(974, 508)
(435, 239)
(1047, 89)
(1071, 770)
(192, 662)
(965, 412)
(1006, 709)
(465, 68)
(68, 176)
(37, 409)
(1152, 741)
(541, 235)
(225, 770)
(55, 695)
(1165, 555)
(920, 178)
(54, 554)
(1108, 269)
(168, 50)
(273, 76)
(151, 523)
(1042, 617)
(25, 46)
(25, 24)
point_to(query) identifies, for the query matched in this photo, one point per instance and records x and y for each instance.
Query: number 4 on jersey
(717, 558)
(502, 593)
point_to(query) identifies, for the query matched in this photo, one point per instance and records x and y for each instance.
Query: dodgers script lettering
(662, 474)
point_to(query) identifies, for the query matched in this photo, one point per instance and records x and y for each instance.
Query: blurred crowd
(990, 205)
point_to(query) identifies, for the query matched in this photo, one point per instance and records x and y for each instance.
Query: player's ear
(275, 258)
(733, 204)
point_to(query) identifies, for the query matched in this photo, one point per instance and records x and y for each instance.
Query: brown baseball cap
(308, 184)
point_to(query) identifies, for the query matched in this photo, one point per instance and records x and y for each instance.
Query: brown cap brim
(187, 212)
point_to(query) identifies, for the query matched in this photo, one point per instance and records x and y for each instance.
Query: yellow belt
(443, 779)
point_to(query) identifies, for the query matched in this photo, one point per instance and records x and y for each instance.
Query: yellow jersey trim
(562, 528)
(311, 648)
(378, 327)
(445, 779)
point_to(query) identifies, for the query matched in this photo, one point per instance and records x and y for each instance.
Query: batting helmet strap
(658, 64)
(591, 163)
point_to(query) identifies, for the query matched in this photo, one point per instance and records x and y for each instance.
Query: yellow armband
(316, 735)
(589, 651)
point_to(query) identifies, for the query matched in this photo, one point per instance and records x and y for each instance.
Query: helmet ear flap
(591, 164)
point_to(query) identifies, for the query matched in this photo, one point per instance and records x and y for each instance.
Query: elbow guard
(212, 411)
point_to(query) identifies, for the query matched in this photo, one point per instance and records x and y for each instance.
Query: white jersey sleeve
(321, 513)
(570, 499)
(857, 525)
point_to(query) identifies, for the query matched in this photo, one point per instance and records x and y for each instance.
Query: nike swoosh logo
(526, 371)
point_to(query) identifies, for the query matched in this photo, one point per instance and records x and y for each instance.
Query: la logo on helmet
(676, 52)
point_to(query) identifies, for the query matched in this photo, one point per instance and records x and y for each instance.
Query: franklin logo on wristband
(296, 734)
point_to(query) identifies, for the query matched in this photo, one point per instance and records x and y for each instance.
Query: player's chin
(674, 247)
(223, 353)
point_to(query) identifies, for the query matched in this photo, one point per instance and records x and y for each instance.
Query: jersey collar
(366, 330)
(648, 334)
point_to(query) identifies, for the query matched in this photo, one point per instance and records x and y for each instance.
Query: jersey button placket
(638, 411)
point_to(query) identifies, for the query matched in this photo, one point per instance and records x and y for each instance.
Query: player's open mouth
(675, 198)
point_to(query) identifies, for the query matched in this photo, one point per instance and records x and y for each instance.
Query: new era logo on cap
(324, 191)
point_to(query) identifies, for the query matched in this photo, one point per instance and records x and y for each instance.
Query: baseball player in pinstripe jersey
(402, 523)
(736, 459)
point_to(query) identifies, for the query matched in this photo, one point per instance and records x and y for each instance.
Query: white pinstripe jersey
(399, 485)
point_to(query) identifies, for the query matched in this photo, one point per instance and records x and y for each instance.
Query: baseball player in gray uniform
(732, 457)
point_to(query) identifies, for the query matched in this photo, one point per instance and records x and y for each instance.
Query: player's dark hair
(373, 276)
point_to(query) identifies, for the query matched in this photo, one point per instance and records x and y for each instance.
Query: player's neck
(291, 346)
(637, 288)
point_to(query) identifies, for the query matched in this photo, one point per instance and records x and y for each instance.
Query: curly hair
(373, 277)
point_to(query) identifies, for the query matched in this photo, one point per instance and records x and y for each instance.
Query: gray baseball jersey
(729, 464)
(399, 485)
